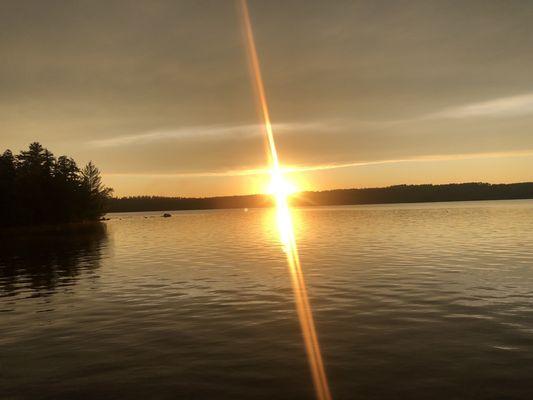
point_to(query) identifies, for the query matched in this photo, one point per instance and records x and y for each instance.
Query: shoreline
(427, 193)
(455, 202)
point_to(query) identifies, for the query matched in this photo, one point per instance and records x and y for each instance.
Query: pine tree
(37, 188)
(98, 194)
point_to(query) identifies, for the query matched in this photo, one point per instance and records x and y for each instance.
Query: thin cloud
(330, 166)
(501, 107)
(195, 132)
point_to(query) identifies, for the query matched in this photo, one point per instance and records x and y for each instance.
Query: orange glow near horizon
(280, 185)
(280, 188)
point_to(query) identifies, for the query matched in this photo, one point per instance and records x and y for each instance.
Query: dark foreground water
(428, 301)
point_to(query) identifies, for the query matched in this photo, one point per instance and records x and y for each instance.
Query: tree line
(421, 194)
(391, 194)
(37, 188)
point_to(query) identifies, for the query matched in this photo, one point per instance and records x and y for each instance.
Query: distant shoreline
(383, 195)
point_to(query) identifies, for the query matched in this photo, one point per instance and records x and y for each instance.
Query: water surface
(415, 301)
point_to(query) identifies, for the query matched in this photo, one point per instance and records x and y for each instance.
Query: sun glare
(281, 189)
(280, 186)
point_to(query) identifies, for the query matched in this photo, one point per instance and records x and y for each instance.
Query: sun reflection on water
(303, 307)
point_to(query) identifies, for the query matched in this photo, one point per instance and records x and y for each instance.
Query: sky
(362, 93)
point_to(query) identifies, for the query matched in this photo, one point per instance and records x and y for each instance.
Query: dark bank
(393, 194)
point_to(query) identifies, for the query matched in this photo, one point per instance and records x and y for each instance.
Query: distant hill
(391, 194)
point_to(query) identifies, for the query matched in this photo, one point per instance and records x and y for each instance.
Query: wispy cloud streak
(510, 106)
(198, 132)
(330, 166)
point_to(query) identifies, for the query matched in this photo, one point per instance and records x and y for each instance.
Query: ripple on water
(410, 301)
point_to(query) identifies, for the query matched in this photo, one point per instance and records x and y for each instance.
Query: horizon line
(330, 190)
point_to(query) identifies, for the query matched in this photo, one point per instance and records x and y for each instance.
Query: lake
(413, 301)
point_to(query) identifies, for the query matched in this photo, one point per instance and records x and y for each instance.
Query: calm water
(427, 301)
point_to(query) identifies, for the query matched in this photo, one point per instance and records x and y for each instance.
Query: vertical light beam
(284, 222)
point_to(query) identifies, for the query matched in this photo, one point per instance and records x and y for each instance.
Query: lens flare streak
(280, 190)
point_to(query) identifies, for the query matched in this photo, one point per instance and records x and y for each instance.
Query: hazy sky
(362, 93)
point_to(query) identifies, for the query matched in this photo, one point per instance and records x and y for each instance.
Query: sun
(281, 187)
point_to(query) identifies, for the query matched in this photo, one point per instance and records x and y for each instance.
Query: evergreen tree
(37, 188)
(98, 194)
(7, 185)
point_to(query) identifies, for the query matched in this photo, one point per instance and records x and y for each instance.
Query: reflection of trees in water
(44, 261)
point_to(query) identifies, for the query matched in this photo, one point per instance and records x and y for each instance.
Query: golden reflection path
(284, 222)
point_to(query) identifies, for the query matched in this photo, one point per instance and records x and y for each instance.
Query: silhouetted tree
(97, 193)
(67, 189)
(7, 185)
(37, 188)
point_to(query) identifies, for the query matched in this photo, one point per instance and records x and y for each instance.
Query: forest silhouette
(383, 195)
(37, 188)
